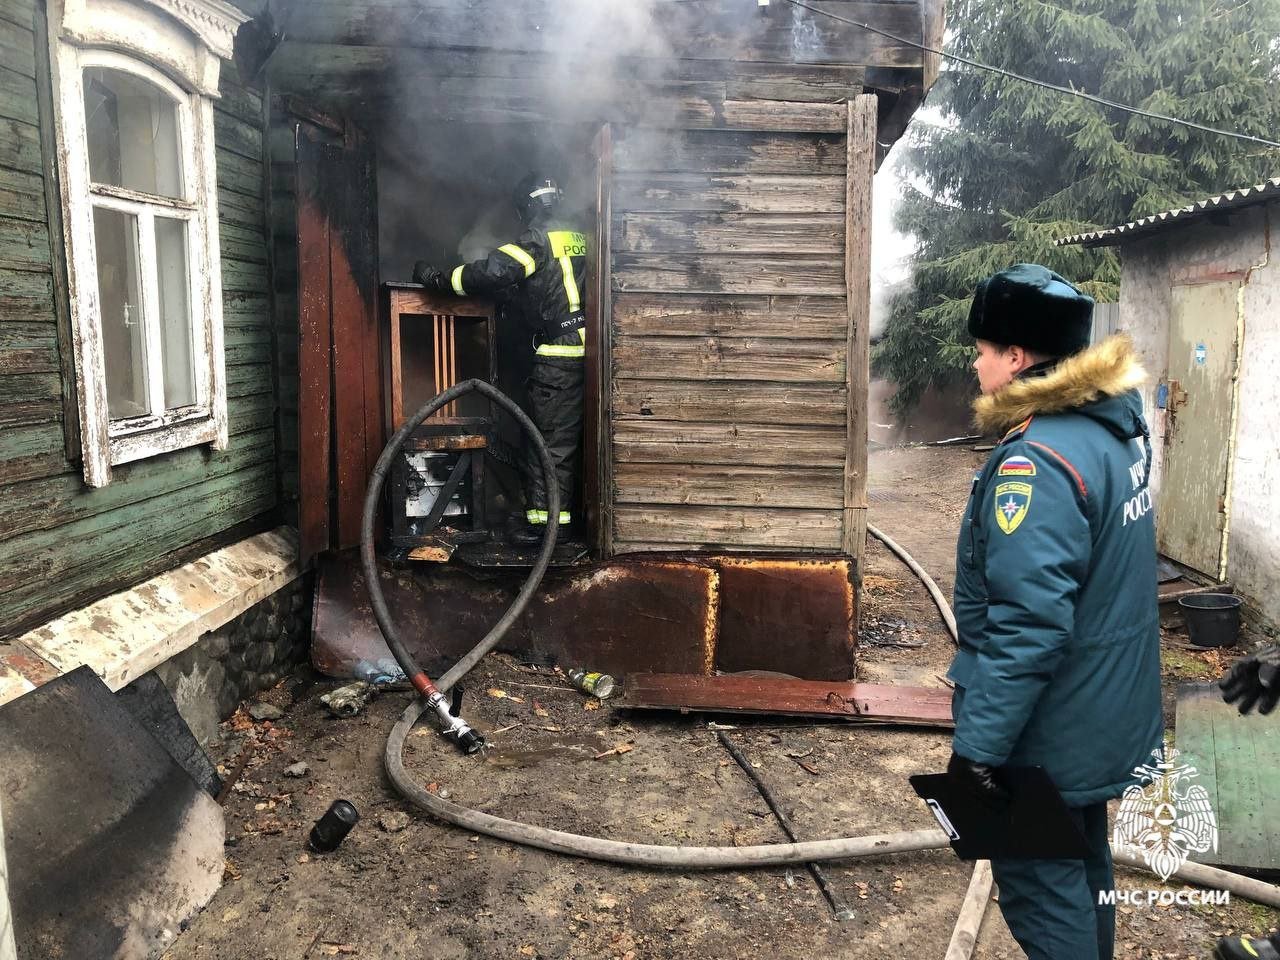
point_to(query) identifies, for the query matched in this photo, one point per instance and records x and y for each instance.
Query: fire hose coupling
(454, 727)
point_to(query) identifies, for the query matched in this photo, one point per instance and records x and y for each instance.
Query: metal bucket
(1213, 619)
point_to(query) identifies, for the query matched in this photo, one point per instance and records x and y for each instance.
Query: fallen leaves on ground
(591, 705)
(503, 695)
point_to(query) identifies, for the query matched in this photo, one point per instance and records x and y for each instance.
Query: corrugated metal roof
(1259, 193)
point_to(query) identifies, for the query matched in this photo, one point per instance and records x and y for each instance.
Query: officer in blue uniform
(1055, 596)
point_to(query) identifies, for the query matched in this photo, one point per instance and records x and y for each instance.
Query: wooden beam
(729, 233)
(732, 527)
(715, 274)
(738, 401)
(759, 444)
(715, 358)
(719, 315)
(861, 167)
(696, 30)
(730, 151)
(882, 703)
(599, 475)
(715, 485)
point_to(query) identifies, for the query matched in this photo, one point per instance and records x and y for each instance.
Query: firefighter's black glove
(429, 277)
(979, 779)
(1254, 681)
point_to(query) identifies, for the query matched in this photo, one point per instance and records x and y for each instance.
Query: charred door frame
(340, 400)
(597, 453)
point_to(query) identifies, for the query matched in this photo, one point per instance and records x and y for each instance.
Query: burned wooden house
(208, 210)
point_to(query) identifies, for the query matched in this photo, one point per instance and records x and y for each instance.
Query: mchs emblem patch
(1017, 467)
(1013, 500)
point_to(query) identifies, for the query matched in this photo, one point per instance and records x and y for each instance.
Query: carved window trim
(176, 45)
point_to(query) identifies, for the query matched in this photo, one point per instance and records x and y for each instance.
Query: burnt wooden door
(340, 405)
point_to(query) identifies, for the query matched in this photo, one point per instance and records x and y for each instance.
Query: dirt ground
(402, 887)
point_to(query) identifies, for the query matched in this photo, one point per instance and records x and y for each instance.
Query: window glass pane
(120, 299)
(132, 127)
(175, 312)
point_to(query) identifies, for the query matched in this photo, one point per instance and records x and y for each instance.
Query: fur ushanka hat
(1032, 307)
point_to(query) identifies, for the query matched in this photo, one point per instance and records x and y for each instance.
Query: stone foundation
(243, 657)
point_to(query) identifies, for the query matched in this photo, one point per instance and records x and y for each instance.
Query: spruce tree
(1011, 167)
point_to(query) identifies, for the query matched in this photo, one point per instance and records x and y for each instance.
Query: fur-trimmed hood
(1108, 369)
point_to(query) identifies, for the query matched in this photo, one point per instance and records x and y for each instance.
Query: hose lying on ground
(939, 599)
(618, 851)
(557, 841)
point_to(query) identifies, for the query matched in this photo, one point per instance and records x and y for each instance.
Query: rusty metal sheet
(793, 616)
(776, 695)
(618, 617)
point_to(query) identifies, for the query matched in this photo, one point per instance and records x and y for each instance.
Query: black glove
(430, 277)
(1254, 681)
(979, 779)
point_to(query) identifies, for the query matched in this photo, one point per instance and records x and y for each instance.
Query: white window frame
(175, 45)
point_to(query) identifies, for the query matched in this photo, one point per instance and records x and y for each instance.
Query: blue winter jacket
(1055, 597)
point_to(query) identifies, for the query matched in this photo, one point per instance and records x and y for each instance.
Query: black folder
(1037, 825)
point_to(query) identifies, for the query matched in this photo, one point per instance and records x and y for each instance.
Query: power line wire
(1070, 91)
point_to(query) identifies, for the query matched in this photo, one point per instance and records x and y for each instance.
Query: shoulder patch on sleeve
(1012, 503)
(1016, 467)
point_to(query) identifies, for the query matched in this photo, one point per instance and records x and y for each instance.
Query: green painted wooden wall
(61, 542)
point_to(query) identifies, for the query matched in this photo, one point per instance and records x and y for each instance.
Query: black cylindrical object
(1213, 619)
(331, 829)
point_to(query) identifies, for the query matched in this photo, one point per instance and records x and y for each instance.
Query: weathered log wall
(61, 542)
(729, 335)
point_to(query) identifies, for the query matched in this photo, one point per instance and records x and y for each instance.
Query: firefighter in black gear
(546, 268)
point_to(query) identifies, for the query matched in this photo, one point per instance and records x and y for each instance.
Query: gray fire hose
(619, 851)
(557, 841)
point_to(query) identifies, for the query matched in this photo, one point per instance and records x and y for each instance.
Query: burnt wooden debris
(774, 695)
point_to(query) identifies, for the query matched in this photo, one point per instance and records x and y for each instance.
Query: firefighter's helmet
(536, 194)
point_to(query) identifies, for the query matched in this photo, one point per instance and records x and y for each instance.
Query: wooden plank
(661, 441)
(43, 554)
(729, 233)
(702, 401)
(1236, 760)
(55, 217)
(43, 359)
(24, 244)
(729, 527)
(712, 273)
(313, 67)
(730, 152)
(880, 703)
(237, 275)
(240, 209)
(237, 100)
(598, 467)
(248, 379)
(698, 29)
(53, 502)
(728, 486)
(17, 96)
(18, 46)
(861, 168)
(21, 195)
(814, 318)
(236, 136)
(17, 387)
(350, 202)
(774, 116)
(27, 452)
(126, 563)
(728, 193)
(20, 146)
(315, 355)
(720, 358)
